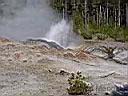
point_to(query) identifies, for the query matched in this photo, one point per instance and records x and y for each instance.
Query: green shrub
(101, 36)
(78, 22)
(79, 85)
(86, 35)
(126, 34)
(103, 32)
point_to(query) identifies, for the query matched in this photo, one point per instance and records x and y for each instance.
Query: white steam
(23, 19)
(62, 34)
(59, 33)
(32, 19)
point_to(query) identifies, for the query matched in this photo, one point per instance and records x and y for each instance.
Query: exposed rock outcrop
(49, 44)
(115, 51)
(122, 57)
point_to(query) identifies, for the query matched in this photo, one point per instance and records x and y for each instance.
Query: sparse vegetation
(109, 51)
(108, 31)
(79, 85)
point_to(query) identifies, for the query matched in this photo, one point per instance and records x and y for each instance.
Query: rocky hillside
(38, 69)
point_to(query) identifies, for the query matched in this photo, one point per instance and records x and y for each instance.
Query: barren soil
(33, 70)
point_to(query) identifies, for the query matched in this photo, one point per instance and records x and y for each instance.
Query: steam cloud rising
(23, 19)
(26, 18)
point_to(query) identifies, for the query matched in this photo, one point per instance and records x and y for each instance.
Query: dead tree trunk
(119, 14)
(85, 18)
(97, 16)
(107, 13)
(100, 15)
(126, 14)
(115, 17)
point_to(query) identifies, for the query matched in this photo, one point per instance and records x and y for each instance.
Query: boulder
(122, 57)
(4, 40)
(49, 44)
(121, 90)
(119, 53)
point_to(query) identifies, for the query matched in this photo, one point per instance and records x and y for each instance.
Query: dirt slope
(33, 70)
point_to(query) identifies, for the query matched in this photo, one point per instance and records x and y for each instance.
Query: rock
(107, 93)
(63, 72)
(44, 60)
(121, 87)
(119, 54)
(25, 60)
(17, 55)
(10, 59)
(2, 86)
(121, 90)
(38, 55)
(3, 40)
(69, 55)
(76, 61)
(122, 57)
(82, 55)
(50, 44)
(49, 70)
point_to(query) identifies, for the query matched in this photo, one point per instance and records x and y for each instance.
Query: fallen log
(107, 75)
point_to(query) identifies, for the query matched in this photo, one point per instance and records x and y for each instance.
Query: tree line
(107, 11)
(93, 15)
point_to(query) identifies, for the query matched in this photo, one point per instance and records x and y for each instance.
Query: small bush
(104, 32)
(86, 35)
(79, 85)
(101, 36)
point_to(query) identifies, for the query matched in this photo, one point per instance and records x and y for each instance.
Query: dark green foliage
(58, 4)
(126, 34)
(78, 23)
(92, 20)
(79, 85)
(104, 32)
(86, 35)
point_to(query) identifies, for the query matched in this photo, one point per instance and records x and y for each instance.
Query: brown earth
(33, 70)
